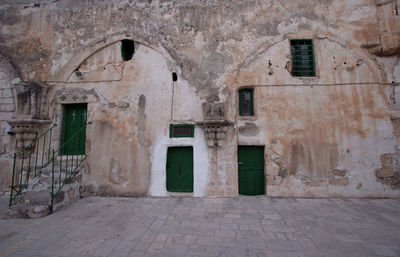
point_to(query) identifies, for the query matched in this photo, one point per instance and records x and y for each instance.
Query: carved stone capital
(215, 131)
(26, 130)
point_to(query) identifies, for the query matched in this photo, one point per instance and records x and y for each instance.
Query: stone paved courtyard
(242, 226)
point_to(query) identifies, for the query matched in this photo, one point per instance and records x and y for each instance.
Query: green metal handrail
(69, 170)
(20, 177)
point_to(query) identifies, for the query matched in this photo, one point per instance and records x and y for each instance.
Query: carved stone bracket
(26, 130)
(215, 125)
(215, 132)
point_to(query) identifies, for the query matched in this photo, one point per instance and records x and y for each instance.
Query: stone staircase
(35, 199)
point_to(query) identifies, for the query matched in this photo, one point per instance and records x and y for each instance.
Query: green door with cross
(251, 170)
(180, 169)
(74, 129)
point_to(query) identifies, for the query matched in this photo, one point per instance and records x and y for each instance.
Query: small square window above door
(181, 130)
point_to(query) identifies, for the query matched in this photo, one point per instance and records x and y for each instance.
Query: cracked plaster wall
(323, 136)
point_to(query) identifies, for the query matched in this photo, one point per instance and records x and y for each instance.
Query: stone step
(64, 158)
(34, 201)
(36, 197)
(42, 183)
(24, 211)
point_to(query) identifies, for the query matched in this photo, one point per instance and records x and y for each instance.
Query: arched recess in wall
(336, 63)
(83, 54)
(127, 103)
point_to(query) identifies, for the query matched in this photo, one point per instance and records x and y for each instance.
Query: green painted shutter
(303, 61)
(246, 102)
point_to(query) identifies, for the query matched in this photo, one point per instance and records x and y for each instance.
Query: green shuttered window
(303, 61)
(246, 102)
(181, 130)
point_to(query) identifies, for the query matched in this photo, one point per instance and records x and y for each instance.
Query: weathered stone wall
(329, 135)
(389, 26)
(7, 107)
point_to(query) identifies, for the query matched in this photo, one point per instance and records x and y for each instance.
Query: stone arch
(64, 72)
(358, 51)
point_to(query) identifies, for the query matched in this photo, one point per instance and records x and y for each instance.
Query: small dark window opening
(181, 130)
(127, 49)
(174, 76)
(246, 102)
(303, 63)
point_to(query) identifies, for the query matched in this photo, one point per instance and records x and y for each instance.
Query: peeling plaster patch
(387, 174)
(106, 190)
(120, 105)
(141, 120)
(396, 71)
(249, 129)
(117, 174)
(312, 159)
(209, 70)
(339, 172)
(339, 181)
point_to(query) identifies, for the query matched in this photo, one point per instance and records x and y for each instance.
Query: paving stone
(164, 227)
(287, 245)
(141, 246)
(384, 250)
(284, 253)
(176, 248)
(189, 239)
(226, 233)
(149, 236)
(216, 241)
(229, 226)
(252, 243)
(204, 232)
(251, 227)
(156, 247)
(107, 247)
(161, 237)
(135, 253)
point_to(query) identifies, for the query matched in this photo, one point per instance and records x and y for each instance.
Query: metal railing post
(29, 166)
(44, 145)
(18, 183)
(12, 181)
(37, 154)
(52, 185)
(48, 151)
(21, 170)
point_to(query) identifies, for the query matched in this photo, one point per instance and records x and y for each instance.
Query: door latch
(180, 167)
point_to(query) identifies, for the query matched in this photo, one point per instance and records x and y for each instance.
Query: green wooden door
(251, 170)
(74, 120)
(180, 169)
